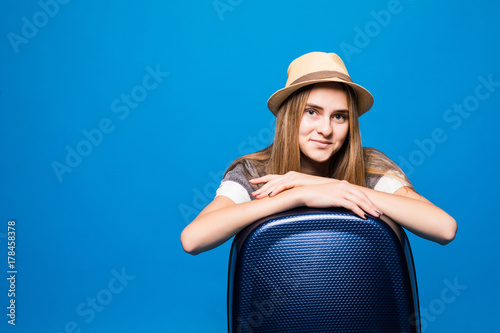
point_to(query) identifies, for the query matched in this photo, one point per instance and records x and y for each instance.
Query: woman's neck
(314, 168)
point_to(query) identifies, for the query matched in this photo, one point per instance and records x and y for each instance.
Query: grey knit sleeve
(235, 185)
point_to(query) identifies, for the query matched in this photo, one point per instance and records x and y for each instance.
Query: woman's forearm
(418, 216)
(215, 227)
(222, 219)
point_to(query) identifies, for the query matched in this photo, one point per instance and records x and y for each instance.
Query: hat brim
(364, 97)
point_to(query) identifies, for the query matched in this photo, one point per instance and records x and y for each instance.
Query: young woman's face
(324, 125)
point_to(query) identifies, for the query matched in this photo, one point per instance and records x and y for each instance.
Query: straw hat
(316, 67)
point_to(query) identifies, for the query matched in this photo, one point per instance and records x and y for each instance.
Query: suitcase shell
(321, 270)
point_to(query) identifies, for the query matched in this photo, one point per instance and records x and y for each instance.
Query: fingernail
(365, 217)
(379, 212)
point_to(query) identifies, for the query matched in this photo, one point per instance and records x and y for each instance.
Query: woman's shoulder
(253, 165)
(238, 169)
(235, 184)
(374, 155)
(248, 167)
(382, 173)
(377, 159)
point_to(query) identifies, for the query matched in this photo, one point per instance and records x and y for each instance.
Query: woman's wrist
(296, 196)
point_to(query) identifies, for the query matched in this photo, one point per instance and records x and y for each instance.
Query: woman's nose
(325, 126)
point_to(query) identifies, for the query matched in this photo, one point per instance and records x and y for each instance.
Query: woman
(316, 160)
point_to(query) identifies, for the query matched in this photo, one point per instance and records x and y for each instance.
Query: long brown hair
(352, 162)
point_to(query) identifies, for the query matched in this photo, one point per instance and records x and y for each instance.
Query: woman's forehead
(328, 95)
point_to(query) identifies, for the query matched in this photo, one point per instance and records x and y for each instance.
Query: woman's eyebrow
(311, 105)
(314, 106)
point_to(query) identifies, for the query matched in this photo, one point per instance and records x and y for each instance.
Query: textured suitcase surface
(321, 271)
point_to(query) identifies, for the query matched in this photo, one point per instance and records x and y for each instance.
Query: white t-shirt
(236, 187)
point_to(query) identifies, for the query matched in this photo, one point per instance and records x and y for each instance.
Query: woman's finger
(362, 201)
(359, 204)
(264, 189)
(280, 188)
(277, 186)
(264, 179)
(358, 197)
(354, 208)
(259, 180)
(270, 183)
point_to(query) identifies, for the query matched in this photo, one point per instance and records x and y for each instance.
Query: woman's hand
(275, 184)
(338, 194)
(317, 192)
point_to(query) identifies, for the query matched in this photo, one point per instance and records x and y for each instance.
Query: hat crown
(314, 62)
(318, 67)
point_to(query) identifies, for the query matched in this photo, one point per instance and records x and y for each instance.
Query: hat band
(322, 75)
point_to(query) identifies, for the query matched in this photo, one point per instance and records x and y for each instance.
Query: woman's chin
(320, 158)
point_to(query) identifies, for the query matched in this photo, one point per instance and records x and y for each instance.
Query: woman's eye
(340, 116)
(311, 112)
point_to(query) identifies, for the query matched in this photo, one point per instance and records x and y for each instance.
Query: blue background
(122, 207)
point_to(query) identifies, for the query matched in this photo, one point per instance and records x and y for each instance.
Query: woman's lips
(321, 143)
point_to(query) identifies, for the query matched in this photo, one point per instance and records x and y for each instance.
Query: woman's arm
(405, 206)
(415, 213)
(222, 218)
(275, 184)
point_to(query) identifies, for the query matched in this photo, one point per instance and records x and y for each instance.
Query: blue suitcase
(321, 270)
